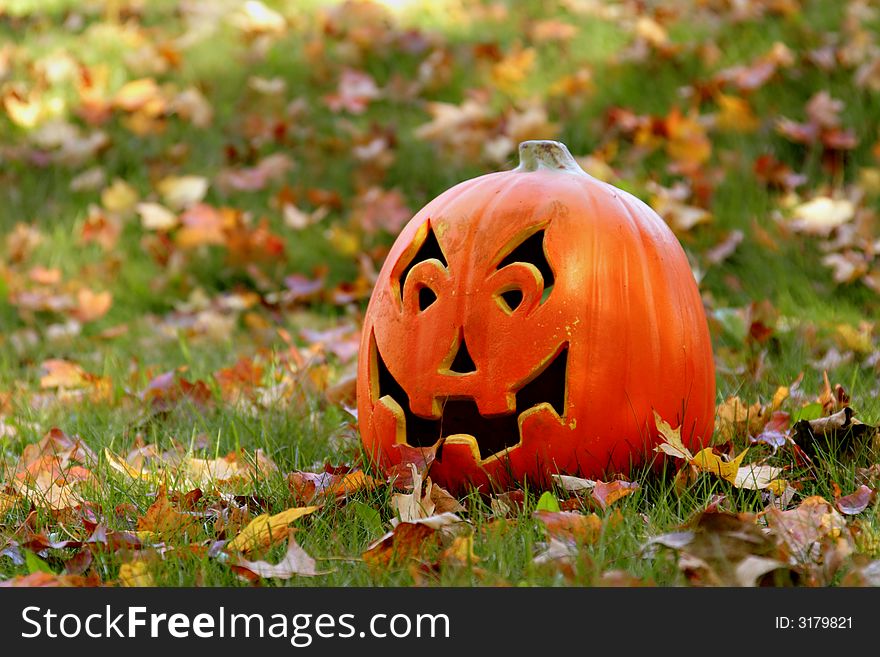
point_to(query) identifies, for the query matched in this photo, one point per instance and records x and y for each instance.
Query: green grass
(148, 294)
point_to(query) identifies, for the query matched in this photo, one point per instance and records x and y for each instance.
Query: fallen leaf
(157, 217)
(7, 502)
(443, 501)
(120, 465)
(414, 505)
(407, 540)
(820, 215)
(608, 493)
(856, 502)
(180, 192)
(311, 486)
(41, 579)
(355, 92)
(805, 527)
(266, 530)
(573, 484)
(756, 477)
(567, 525)
(707, 461)
(119, 197)
(91, 306)
(841, 430)
(135, 573)
(671, 442)
(162, 519)
(718, 548)
(296, 561)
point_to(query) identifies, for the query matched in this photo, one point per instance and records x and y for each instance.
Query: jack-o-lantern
(531, 322)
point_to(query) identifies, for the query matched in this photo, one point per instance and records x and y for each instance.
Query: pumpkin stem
(546, 154)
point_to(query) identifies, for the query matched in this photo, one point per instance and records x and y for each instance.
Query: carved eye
(518, 287)
(512, 298)
(531, 250)
(427, 296)
(429, 249)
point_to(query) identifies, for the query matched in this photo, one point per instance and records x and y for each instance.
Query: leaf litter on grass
(201, 261)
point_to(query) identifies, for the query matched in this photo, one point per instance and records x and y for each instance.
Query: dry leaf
(856, 502)
(266, 530)
(296, 561)
(180, 192)
(157, 217)
(162, 519)
(756, 477)
(414, 505)
(135, 573)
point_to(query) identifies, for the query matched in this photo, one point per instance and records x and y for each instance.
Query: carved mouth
(461, 419)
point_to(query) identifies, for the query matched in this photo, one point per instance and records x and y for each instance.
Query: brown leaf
(841, 429)
(721, 549)
(162, 519)
(802, 529)
(443, 501)
(608, 493)
(311, 486)
(570, 526)
(239, 380)
(507, 505)
(401, 475)
(64, 374)
(41, 579)
(169, 389)
(406, 542)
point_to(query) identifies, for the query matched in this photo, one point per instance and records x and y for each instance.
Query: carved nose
(462, 363)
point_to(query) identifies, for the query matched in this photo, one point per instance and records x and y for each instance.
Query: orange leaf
(92, 305)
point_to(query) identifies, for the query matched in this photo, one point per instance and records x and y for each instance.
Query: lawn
(195, 199)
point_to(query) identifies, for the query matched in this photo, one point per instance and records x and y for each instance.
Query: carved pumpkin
(532, 321)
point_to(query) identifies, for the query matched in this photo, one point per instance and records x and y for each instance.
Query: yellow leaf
(7, 502)
(672, 443)
(781, 394)
(121, 465)
(707, 461)
(733, 417)
(461, 551)
(777, 486)
(736, 114)
(265, 529)
(688, 143)
(119, 197)
(820, 215)
(757, 477)
(207, 472)
(134, 95)
(135, 573)
(509, 73)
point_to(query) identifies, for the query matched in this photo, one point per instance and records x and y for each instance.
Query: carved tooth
(464, 439)
(391, 406)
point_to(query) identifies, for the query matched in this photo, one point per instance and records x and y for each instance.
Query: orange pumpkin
(530, 322)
